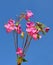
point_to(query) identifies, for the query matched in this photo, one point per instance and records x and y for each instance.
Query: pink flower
(30, 24)
(9, 26)
(28, 14)
(35, 36)
(47, 29)
(11, 22)
(19, 51)
(31, 29)
(18, 29)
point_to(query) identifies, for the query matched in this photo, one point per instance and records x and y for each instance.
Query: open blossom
(12, 26)
(11, 22)
(19, 51)
(35, 36)
(18, 29)
(28, 14)
(31, 27)
(30, 24)
(9, 26)
(32, 31)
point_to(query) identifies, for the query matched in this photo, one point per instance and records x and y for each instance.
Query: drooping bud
(47, 29)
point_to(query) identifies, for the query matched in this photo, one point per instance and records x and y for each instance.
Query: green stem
(14, 36)
(28, 44)
(25, 43)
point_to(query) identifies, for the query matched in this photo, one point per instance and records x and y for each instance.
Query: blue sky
(41, 51)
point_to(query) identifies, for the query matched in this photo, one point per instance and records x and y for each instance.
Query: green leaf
(41, 25)
(43, 31)
(24, 60)
(37, 27)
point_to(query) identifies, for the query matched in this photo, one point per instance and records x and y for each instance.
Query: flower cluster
(33, 31)
(19, 52)
(28, 14)
(12, 26)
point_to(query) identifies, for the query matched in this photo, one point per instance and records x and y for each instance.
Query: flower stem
(14, 36)
(25, 43)
(28, 43)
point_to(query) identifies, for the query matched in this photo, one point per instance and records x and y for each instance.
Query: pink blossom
(19, 51)
(9, 26)
(31, 27)
(28, 14)
(11, 22)
(35, 36)
(32, 31)
(30, 24)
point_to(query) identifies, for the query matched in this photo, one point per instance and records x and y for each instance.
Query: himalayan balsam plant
(32, 31)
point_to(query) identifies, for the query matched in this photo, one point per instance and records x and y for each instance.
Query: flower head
(11, 21)
(19, 52)
(30, 24)
(31, 29)
(28, 14)
(10, 25)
